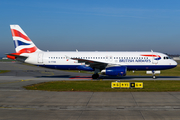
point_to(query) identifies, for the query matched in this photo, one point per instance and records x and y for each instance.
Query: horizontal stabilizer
(16, 56)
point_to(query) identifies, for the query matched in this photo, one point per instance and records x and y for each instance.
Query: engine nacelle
(115, 71)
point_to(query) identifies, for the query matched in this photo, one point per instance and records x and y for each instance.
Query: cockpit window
(167, 57)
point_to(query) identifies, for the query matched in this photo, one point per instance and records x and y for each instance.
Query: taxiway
(17, 103)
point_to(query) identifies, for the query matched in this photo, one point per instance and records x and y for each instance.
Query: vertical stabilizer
(22, 42)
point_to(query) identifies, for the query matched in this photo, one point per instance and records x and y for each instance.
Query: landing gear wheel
(154, 77)
(95, 76)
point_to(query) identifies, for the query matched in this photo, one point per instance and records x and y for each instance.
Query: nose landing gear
(153, 72)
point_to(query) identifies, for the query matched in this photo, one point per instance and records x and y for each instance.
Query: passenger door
(40, 57)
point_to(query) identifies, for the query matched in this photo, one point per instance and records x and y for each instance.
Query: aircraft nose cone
(174, 63)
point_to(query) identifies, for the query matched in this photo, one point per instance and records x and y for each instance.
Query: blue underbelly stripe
(129, 67)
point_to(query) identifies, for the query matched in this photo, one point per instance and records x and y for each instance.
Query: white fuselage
(132, 60)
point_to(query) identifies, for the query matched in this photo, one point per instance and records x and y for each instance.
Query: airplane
(108, 63)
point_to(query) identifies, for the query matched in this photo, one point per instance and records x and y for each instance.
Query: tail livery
(22, 42)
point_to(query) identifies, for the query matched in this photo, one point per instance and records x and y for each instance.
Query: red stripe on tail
(28, 50)
(16, 33)
(25, 50)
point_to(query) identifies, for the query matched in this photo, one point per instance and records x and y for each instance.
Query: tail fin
(22, 42)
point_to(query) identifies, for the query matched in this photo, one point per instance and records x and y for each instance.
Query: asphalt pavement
(17, 103)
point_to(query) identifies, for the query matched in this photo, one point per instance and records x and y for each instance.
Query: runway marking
(10, 82)
(16, 81)
(24, 80)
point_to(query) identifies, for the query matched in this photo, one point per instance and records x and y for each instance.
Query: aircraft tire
(95, 76)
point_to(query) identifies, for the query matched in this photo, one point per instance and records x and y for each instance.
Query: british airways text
(135, 60)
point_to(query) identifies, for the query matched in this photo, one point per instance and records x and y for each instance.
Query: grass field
(105, 86)
(7, 60)
(4, 71)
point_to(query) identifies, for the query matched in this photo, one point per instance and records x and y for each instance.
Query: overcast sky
(93, 25)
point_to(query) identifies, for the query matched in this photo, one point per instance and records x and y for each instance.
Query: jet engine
(115, 71)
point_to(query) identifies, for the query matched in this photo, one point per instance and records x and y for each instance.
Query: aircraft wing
(92, 63)
(95, 64)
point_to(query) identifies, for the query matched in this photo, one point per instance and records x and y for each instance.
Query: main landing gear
(95, 76)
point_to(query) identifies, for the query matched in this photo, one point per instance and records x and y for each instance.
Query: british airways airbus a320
(108, 63)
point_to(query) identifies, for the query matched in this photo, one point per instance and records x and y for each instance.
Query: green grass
(105, 86)
(6, 60)
(170, 72)
(4, 71)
